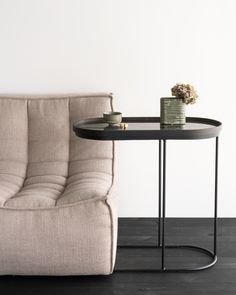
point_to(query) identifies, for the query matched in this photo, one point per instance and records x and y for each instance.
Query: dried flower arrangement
(186, 92)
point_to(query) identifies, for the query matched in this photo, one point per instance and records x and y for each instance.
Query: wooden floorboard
(219, 280)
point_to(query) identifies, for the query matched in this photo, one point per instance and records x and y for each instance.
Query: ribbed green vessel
(172, 111)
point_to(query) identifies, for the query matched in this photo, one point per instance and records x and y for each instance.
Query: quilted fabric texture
(57, 212)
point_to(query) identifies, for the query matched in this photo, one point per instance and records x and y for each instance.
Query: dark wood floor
(219, 280)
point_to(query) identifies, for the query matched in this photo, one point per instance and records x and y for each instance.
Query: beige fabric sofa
(57, 211)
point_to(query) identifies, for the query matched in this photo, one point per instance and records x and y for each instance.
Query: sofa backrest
(37, 141)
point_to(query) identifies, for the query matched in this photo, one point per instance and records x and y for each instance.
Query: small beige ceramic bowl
(112, 118)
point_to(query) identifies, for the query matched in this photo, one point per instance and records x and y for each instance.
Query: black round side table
(149, 128)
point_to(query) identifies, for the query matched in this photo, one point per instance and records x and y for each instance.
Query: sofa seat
(57, 209)
(53, 190)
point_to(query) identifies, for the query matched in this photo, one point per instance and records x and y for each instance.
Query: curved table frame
(166, 134)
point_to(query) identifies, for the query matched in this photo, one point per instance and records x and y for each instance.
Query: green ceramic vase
(172, 111)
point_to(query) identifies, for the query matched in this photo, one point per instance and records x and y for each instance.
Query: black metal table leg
(163, 206)
(159, 195)
(161, 222)
(216, 193)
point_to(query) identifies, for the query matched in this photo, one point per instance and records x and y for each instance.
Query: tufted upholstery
(57, 213)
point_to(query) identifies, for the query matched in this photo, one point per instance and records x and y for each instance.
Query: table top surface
(147, 128)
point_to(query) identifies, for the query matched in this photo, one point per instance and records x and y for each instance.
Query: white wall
(136, 49)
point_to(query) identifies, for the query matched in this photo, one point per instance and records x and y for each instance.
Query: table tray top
(147, 128)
